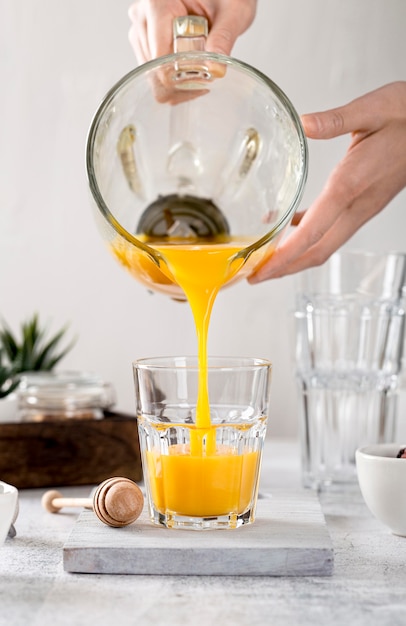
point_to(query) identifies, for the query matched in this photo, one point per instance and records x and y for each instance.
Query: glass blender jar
(194, 149)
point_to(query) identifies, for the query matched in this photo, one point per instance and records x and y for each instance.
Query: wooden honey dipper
(117, 502)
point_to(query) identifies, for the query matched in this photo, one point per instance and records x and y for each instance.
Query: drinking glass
(350, 326)
(202, 471)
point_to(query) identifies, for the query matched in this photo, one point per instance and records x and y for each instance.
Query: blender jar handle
(189, 33)
(191, 73)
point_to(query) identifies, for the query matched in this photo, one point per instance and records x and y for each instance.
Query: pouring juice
(226, 479)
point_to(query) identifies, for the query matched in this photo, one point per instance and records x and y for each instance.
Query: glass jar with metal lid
(50, 396)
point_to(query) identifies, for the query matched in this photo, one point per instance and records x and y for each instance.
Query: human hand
(150, 34)
(372, 173)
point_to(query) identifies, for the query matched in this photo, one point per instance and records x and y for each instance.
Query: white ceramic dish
(382, 480)
(8, 508)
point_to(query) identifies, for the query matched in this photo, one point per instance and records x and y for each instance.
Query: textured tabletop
(367, 586)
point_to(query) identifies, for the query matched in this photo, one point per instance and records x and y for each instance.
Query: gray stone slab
(288, 538)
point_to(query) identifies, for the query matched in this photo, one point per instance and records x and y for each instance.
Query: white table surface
(368, 585)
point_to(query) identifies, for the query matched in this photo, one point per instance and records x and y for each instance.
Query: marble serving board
(288, 538)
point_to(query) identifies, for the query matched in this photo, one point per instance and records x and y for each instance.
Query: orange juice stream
(201, 271)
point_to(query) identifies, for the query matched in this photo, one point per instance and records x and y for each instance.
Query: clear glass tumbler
(350, 330)
(202, 473)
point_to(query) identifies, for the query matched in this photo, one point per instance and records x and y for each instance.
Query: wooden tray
(288, 538)
(69, 452)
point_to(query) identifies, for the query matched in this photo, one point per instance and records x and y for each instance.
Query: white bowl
(8, 508)
(382, 480)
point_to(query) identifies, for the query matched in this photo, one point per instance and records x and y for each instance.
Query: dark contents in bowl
(401, 454)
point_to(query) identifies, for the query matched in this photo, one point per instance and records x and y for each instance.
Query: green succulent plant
(33, 350)
(8, 380)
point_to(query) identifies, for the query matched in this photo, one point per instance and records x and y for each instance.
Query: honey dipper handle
(53, 502)
(60, 503)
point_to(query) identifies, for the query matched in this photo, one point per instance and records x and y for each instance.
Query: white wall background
(57, 60)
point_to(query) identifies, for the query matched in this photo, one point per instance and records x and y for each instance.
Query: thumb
(326, 124)
(356, 116)
(220, 40)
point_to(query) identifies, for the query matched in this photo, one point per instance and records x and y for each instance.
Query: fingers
(228, 22)
(340, 232)
(150, 34)
(357, 189)
(221, 39)
(137, 34)
(324, 228)
(285, 262)
(159, 19)
(361, 115)
(313, 226)
(364, 182)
